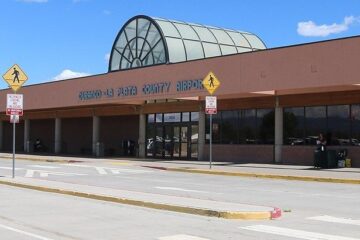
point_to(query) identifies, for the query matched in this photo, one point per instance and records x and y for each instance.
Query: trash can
(331, 159)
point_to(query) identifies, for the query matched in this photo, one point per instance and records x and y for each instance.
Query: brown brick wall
(114, 130)
(241, 153)
(304, 155)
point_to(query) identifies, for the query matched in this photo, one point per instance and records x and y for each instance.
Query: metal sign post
(15, 77)
(210, 109)
(13, 160)
(211, 83)
(14, 119)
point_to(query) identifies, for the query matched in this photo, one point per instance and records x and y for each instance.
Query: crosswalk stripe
(182, 237)
(327, 218)
(288, 232)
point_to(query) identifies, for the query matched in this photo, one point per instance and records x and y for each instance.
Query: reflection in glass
(151, 118)
(315, 123)
(266, 126)
(172, 117)
(150, 144)
(159, 142)
(294, 120)
(229, 127)
(194, 116)
(355, 125)
(247, 128)
(185, 116)
(338, 131)
(159, 117)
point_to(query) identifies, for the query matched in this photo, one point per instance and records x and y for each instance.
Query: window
(355, 125)
(293, 120)
(315, 123)
(266, 126)
(229, 126)
(247, 128)
(338, 128)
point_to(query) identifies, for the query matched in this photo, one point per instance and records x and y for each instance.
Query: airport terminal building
(272, 103)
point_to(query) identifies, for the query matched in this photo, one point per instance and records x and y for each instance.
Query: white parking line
(24, 233)
(288, 232)
(107, 170)
(31, 172)
(182, 237)
(180, 189)
(10, 168)
(42, 166)
(326, 218)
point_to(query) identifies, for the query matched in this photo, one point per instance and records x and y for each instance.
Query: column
(57, 142)
(142, 135)
(1, 134)
(278, 131)
(95, 133)
(27, 147)
(201, 139)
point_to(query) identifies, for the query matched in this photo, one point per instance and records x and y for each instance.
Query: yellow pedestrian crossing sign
(211, 83)
(15, 77)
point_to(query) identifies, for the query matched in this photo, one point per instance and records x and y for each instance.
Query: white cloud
(67, 73)
(106, 12)
(33, 1)
(311, 29)
(107, 57)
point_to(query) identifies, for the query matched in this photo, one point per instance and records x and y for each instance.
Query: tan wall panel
(117, 110)
(333, 98)
(244, 103)
(72, 113)
(40, 115)
(183, 106)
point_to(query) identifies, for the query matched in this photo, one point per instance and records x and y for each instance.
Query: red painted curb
(276, 213)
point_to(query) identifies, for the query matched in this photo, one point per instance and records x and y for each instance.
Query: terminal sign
(211, 83)
(15, 77)
(14, 104)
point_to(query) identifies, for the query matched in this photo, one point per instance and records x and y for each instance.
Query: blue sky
(55, 39)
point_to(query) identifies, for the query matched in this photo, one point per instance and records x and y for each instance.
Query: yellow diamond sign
(211, 83)
(15, 77)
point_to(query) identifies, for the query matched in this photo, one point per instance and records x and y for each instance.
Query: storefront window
(172, 117)
(229, 127)
(315, 123)
(151, 118)
(355, 125)
(195, 116)
(266, 126)
(247, 127)
(159, 118)
(294, 119)
(185, 116)
(338, 132)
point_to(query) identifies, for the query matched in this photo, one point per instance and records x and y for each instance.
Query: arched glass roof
(145, 41)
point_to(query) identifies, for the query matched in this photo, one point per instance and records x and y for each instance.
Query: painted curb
(41, 160)
(261, 215)
(261, 175)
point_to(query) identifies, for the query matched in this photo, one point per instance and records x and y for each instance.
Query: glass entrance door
(172, 136)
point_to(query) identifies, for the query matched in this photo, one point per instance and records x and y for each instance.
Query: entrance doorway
(172, 140)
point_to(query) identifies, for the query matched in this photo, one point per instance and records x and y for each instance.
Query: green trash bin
(331, 159)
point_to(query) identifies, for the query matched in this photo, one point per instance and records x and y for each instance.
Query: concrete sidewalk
(156, 201)
(272, 171)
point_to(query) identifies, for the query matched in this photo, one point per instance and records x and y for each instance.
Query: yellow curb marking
(257, 175)
(190, 210)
